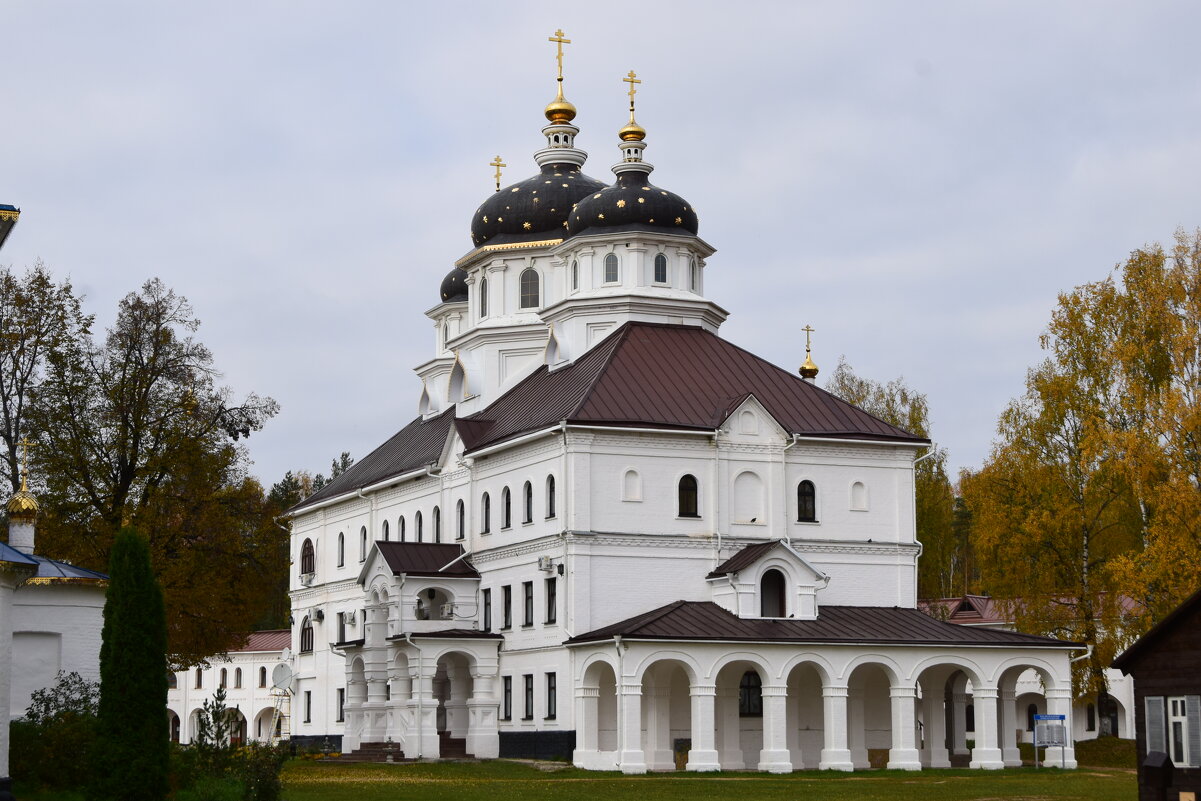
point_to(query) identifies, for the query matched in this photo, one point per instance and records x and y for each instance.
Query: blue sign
(1050, 717)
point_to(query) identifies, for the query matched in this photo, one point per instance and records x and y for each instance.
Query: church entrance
(453, 687)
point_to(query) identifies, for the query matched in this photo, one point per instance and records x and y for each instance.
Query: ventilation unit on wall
(448, 611)
(546, 563)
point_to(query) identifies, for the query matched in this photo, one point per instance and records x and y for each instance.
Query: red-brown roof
(742, 559)
(966, 610)
(268, 640)
(704, 620)
(669, 376)
(426, 559)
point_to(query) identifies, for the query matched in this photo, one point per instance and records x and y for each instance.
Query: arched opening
(417, 525)
(666, 715)
(262, 677)
(527, 506)
(869, 716)
(434, 604)
(363, 544)
(308, 559)
(694, 276)
(237, 728)
(660, 268)
(173, 726)
(306, 639)
(237, 678)
(528, 288)
(262, 724)
(387, 534)
(172, 681)
(739, 715)
(806, 502)
(687, 496)
(772, 599)
(805, 715)
(460, 520)
(341, 549)
(224, 678)
(612, 269)
(575, 275)
(486, 513)
(437, 524)
(596, 731)
(550, 497)
(506, 508)
(400, 528)
(483, 297)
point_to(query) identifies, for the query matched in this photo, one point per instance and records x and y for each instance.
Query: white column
(935, 727)
(1008, 730)
(703, 756)
(986, 754)
(425, 720)
(959, 723)
(483, 736)
(835, 753)
(658, 750)
(774, 756)
(587, 724)
(729, 728)
(857, 729)
(1059, 702)
(904, 755)
(629, 732)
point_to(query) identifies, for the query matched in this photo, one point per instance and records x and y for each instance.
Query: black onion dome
(533, 209)
(454, 286)
(633, 203)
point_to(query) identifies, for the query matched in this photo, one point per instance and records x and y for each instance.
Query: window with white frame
(1174, 728)
(612, 269)
(660, 268)
(528, 287)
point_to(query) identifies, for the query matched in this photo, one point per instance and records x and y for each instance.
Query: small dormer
(768, 580)
(423, 587)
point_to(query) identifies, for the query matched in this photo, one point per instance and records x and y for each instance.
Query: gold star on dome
(526, 226)
(500, 219)
(596, 195)
(679, 220)
(651, 220)
(537, 199)
(621, 204)
(641, 200)
(600, 216)
(485, 218)
(564, 186)
(514, 189)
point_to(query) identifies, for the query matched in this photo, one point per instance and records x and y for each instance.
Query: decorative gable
(768, 580)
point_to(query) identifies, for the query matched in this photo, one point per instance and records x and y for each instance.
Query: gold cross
(559, 42)
(497, 163)
(25, 446)
(632, 79)
(808, 329)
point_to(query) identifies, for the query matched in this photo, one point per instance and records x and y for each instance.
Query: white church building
(612, 536)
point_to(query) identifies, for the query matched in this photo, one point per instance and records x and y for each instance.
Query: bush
(211, 788)
(50, 746)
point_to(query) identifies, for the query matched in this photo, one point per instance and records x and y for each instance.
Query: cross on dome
(497, 163)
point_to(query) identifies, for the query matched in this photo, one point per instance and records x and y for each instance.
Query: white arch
(1048, 671)
(890, 666)
(592, 660)
(824, 669)
(971, 669)
(761, 663)
(692, 667)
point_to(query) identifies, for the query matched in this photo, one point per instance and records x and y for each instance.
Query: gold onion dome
(560, 109)
(808, 368)
(632, 132)
(22, 505)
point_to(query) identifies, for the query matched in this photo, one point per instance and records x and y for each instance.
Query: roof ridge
(619, 336)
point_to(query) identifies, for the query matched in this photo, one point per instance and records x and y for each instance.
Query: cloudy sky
(916, 180)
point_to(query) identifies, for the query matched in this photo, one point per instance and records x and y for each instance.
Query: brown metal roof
(269, 640)
(747, 556)
(704, 620)
(426, 559)
(669, 376)
(417, 445)
(451, 634)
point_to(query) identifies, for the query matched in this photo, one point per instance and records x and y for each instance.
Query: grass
(514, 781)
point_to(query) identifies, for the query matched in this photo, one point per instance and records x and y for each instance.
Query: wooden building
(1167, 698)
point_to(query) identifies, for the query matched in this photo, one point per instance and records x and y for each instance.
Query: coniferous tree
(132, 751)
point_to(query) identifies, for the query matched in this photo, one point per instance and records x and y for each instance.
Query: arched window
(363, 544)
(528, 285)
(224, 678)
(527, 507)
(486, 511)
(575, 275)
(306, 636)
(387, 534)
(341, 549)
(172, 681)
(461, 514)
(199, 678)
(437, 524)
(611, 269)
(772, 602)
(506, 508)
(400, 528)
(750, 695)
(417, 525)
(262, 677)
(1031, 711)
(687, 496)
(631, 486)
(806, 502)
(237, 678)
(550, 497)
(483, 297)
(694, 276)
(308, 561)
(660, 269)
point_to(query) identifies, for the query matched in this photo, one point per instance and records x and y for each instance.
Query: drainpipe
(1088, 651)
(713, 490)
(617, 691)
(420, 721)
(784, 480)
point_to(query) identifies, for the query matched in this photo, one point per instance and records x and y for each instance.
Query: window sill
(808, 522)
(527, 625)
(527, 522)
(485, 533)
(550, 717)
(528, 717)
(550, 622)
(689, 517)
(550, 517)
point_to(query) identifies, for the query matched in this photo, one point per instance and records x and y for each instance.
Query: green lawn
(513, 781)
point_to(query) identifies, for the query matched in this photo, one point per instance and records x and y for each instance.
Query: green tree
(898, 404)
(336, 468)
(137, 429)
(132, 748)
(37, 317)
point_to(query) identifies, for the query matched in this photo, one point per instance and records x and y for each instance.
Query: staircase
(451, 747)
(372, 752)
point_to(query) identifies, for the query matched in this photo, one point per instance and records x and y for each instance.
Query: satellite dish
(281, 676)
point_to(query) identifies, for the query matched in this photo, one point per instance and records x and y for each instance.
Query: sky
(918, 181)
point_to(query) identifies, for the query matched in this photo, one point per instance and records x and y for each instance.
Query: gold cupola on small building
(808, 369)
(22, 506)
